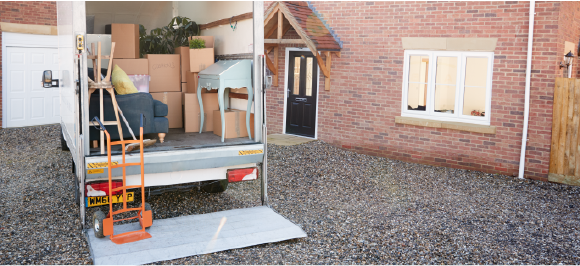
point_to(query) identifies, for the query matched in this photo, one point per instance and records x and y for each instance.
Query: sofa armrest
(160, 109)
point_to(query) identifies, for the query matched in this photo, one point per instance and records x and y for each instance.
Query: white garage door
(28, 103)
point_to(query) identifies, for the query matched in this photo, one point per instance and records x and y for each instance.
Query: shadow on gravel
(356, 209)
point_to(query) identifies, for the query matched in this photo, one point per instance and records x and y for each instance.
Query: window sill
(443, 124)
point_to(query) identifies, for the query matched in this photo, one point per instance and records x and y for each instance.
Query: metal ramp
(195, 234)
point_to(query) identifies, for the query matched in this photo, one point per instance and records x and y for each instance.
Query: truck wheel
(98, 218)
(214, 186)
(148, 208)
(63, 142)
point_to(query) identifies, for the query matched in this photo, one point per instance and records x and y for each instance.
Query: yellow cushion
(122, 83)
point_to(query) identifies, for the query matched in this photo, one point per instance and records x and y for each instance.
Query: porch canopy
(314, 32)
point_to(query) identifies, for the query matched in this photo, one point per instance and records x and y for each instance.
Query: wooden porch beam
(271, 15)
(271, 65)
(275, 81)
(280, 23)
(284, 41)
(328, 64)
(337, 54)
(322, 65)
(270, 32)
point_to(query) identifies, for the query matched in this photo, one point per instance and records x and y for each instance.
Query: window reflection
(309, 76)
(296, 89)
(418, 79)
(445, 83)
(475, 84)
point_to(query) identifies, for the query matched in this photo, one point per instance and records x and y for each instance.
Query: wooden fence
(565, 155)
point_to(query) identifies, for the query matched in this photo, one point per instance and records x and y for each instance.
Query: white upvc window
(448, 86)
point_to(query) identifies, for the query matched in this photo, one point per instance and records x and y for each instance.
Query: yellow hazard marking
(100, 165)
(248, 152)
(103, 200)
(95, 171)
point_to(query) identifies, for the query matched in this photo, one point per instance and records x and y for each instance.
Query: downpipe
(527, 90)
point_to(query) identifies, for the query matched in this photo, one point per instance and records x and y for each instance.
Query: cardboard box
(235, 123)
(173, 101)
(164, 72)
(133, 66)
(192, 82)
(210, 104)
(200, 59)
(183, 53)
(126, 39)
(242, 90)
(191, 112)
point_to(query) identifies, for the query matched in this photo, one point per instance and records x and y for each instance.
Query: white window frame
(457, 116)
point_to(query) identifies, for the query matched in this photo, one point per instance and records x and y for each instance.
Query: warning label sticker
(100, 165)
(249, 152)
(95, 171)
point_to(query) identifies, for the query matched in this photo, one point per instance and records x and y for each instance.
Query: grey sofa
(132, 105)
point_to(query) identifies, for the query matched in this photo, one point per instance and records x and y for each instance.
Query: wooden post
(275, 77)
(280, 23)
(328, 64)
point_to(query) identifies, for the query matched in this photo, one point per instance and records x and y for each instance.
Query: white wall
(227, 41)
(151, 14)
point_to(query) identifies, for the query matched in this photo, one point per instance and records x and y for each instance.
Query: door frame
(10, 39)
(287, 55)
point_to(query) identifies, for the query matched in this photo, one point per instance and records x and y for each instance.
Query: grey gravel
(356, 209)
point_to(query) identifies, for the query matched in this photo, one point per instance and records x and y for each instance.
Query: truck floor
(177, 138)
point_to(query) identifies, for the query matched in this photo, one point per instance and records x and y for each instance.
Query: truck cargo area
(171, 103)
(178, 139)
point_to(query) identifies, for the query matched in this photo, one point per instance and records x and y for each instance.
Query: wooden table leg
(200, 108)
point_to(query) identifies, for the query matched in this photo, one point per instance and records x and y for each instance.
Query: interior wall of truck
(157, 73)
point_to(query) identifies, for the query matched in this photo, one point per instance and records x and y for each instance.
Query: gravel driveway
(356, 209)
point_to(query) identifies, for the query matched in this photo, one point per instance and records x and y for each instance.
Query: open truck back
(184, 158)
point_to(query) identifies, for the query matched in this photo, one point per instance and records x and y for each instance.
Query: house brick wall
(358, 113)
(24, 12)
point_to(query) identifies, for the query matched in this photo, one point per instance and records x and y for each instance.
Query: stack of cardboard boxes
(198, 60)
(174, 81)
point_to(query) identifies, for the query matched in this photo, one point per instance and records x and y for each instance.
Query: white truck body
(162, 168)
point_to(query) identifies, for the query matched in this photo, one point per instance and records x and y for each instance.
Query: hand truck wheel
(98, 218)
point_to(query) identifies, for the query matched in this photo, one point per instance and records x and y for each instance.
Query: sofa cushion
(123, 85)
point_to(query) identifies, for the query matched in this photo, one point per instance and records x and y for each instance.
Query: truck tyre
(98, 218)
(148, 208)
(215, 186)
(63, 142)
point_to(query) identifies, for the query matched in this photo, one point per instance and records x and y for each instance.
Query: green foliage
(196, 44)
(164, 40)
(181, 28)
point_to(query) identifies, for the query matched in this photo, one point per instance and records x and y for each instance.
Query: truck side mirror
(47, 80)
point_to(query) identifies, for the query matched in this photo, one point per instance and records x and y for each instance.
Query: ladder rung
(124, 141)
(105, 123)
(126, 210)
(125, 164)
(125, 187)
(95, 57)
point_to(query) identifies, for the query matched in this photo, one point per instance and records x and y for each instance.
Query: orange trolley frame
(145, 216)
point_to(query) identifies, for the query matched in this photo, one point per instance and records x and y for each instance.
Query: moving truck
(183, 158)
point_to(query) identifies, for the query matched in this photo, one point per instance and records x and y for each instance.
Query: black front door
(302, 91)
